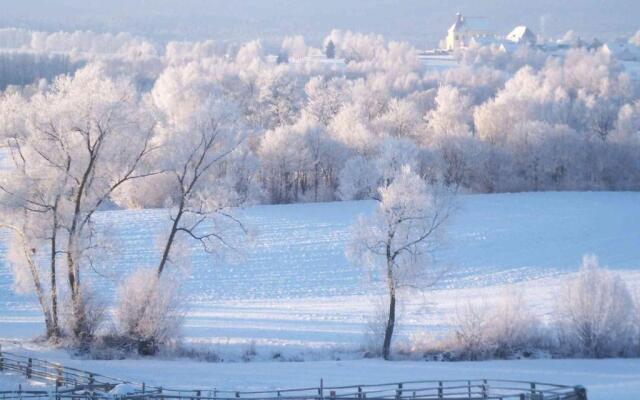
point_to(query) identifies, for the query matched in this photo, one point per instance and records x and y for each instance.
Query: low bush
(149, 310)
(595, 313)
(595, 316)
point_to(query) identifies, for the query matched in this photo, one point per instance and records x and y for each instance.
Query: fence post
(469, 388)
(581, 392)
(440, 390)
(399, 391)
(533, 388)
(59, 376)
(359, 392)
(29, 368)
(321, 389)
(91, 380)
(484, 389)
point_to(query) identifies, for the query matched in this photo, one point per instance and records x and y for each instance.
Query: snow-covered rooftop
(521, 34)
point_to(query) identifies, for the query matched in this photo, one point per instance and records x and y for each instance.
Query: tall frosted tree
(395, 243)
(198, 138)
(75, 143)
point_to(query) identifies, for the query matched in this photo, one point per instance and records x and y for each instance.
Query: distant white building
(522, 35)
(464, 29)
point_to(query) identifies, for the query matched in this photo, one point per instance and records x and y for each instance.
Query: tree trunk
(315, 183)
(170, 239)
(79, 317)
(79, 327)
(388, 333)
(37, 284)
(55, 327)
(391, 322)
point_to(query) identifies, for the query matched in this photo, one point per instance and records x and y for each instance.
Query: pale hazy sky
(422, 22)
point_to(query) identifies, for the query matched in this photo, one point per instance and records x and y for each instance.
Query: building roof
(522, 34)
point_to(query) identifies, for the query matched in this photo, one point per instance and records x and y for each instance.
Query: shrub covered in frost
(149, 310)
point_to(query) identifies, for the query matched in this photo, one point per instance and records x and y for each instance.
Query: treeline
(24, 68)
(334, 129)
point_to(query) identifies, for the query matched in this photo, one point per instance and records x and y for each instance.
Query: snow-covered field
(614, 379)
(293, 292)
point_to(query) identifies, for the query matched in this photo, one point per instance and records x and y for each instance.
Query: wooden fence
(75, 384)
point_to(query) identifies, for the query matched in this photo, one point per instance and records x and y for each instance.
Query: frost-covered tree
(349, 128)
(395, 154)
(294, 47)
(196, 144)
(627, 128)
(358, 179)
(330, 50)
(356, 47)
(396, 242)
(400, 119)
(452, 115)
(595, 311)
(31, 211)
(285, 156)
(325, 97)
(300, 162)
(277, 97)
(78, 141)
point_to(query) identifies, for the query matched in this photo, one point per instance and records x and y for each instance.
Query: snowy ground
(13, 382)
(605, 379)
(293, 292)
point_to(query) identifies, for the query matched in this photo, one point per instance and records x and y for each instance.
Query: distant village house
(467, 31)
(464, 29)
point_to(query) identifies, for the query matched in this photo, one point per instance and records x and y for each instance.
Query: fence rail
(53, 373)
(75, 384)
